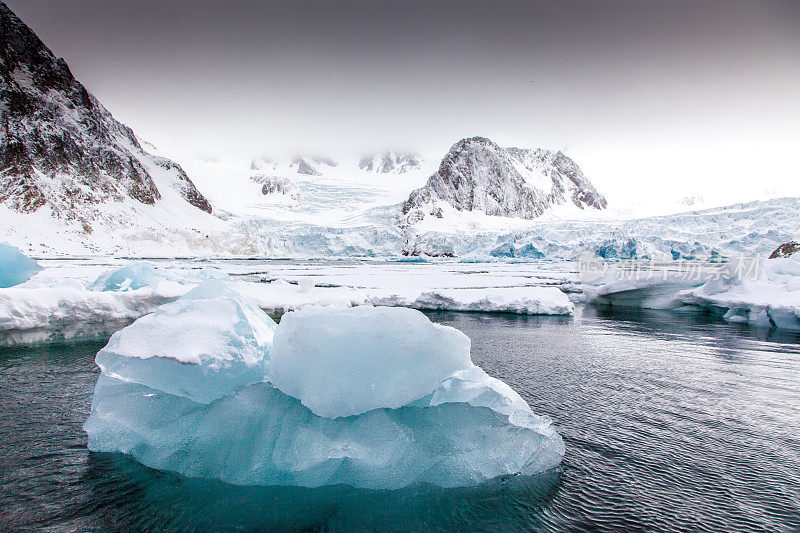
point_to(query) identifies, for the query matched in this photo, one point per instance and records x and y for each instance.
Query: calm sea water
(671, 422)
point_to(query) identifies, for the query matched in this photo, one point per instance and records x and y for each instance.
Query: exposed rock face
(478, 175)
(59, 146)
(309, 165)
(785, 250)
(390, 161)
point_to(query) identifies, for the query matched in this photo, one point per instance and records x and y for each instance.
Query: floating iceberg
(518, 300)
(129, 277)
(353, 360)
(369, 397)
(772, 299)
(202, 346)
(15, 267)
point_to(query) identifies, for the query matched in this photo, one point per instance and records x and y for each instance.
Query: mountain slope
(62, 152)
(478, 175)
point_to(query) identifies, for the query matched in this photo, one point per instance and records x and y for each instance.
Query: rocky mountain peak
(60, 147)
(478, 175)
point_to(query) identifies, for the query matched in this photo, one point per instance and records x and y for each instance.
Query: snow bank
(519, 300)
(202, 346)
(15, 267)
(417, 409)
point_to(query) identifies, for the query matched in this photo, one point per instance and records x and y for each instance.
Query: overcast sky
(672, 98)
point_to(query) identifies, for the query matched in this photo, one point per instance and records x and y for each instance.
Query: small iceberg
(369, 397)
(516, 300)
(128, 278)
(15, 267)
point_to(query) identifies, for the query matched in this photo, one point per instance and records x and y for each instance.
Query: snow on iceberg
(15, 267)
(519, 300)
(202, 346)
(405, 405)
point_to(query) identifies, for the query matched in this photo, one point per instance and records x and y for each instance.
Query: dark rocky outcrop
(59, 147)
(785, 250)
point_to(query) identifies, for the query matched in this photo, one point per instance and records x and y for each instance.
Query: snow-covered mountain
(391, 162)
(478, 175)
(64, 158)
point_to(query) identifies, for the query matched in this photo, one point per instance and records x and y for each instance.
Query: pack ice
(369, 397)
(15, 267)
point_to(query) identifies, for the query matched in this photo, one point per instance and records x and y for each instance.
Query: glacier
(395, 400)
(15, 267)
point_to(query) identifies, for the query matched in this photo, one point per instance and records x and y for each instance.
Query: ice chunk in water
(418, 409)
(202, 346)
(15, 267)
(346, 361)
(129, 277)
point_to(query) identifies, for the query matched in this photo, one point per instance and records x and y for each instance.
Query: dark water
(671, 423)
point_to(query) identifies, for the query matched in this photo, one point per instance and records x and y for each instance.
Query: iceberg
(517, 300)
(771, 299)
(376, 398)
(15, 267)
(202, 346)
(69, 313)
(129, 277)
(347, 361)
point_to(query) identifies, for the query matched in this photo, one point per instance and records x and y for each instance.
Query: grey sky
(697, 92)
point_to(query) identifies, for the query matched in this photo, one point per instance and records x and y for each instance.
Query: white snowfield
(56, 305)
(372, 408)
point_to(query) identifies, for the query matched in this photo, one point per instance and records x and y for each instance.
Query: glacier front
(369, 397)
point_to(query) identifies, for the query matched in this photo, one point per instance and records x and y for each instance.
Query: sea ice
(519, 300)
(404, 404)
(15, 267)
